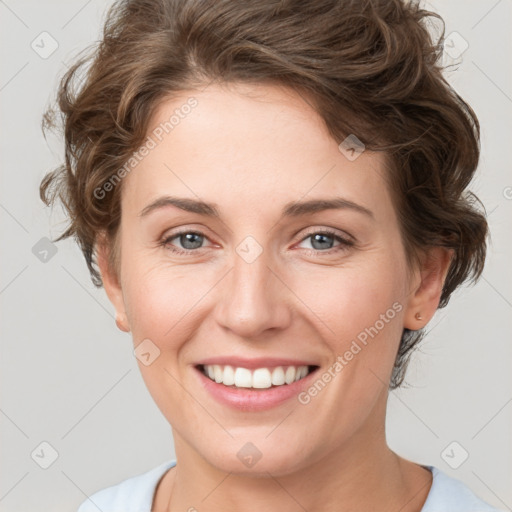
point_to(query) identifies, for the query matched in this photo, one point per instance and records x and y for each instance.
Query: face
(259, 281)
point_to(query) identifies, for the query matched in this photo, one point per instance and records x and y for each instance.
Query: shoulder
(448, 494)
(134, 494)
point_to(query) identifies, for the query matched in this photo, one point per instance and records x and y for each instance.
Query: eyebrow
(292, 209)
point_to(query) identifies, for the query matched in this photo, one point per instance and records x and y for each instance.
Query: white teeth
(289, 376)
(303, 370)
(217, 373)
(260, 378)
(243, 378)
(278, 376)
(228, 376)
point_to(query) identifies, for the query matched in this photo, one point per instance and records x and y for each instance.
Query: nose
(254, 299)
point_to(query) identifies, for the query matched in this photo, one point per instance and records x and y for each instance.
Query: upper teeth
(258, 378)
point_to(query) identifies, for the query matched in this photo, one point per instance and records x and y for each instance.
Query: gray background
(68, 375)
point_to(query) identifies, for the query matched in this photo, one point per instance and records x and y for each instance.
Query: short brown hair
(369, 68)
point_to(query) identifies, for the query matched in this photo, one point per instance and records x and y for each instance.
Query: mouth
(254, 384)
(257, 378)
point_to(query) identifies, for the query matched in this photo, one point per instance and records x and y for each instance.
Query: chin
(257, 458)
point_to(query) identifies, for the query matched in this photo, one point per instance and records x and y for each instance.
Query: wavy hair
(368, 67)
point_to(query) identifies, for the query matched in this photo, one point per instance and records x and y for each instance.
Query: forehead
(249, 144)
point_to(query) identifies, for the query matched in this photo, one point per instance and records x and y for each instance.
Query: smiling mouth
(258, 378)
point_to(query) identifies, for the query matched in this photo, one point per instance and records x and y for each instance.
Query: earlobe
(111, 283)
(122, 323)
(426, 293)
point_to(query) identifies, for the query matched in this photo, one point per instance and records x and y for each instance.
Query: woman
(273, 195)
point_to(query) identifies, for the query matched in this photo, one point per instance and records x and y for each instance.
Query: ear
(111, 282)
(427, 286)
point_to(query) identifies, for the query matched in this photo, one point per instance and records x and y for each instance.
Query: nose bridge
(253, 298)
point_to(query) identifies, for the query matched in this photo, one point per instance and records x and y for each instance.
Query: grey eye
(190, 240)
(321, 241)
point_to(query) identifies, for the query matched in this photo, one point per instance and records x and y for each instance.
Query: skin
(250, 149)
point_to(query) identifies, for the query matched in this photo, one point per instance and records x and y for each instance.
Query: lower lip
(249, 399)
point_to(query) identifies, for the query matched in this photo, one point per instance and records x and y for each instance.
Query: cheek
(359, 311)
(166, 303)
(161, 303)
(350, 300)
(164, 306)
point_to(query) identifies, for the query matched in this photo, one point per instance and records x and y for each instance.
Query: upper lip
(253, 363)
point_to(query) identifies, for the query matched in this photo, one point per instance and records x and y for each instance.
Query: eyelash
(344, 242)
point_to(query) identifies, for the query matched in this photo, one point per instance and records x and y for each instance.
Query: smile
(254, 384)
(258, 378)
